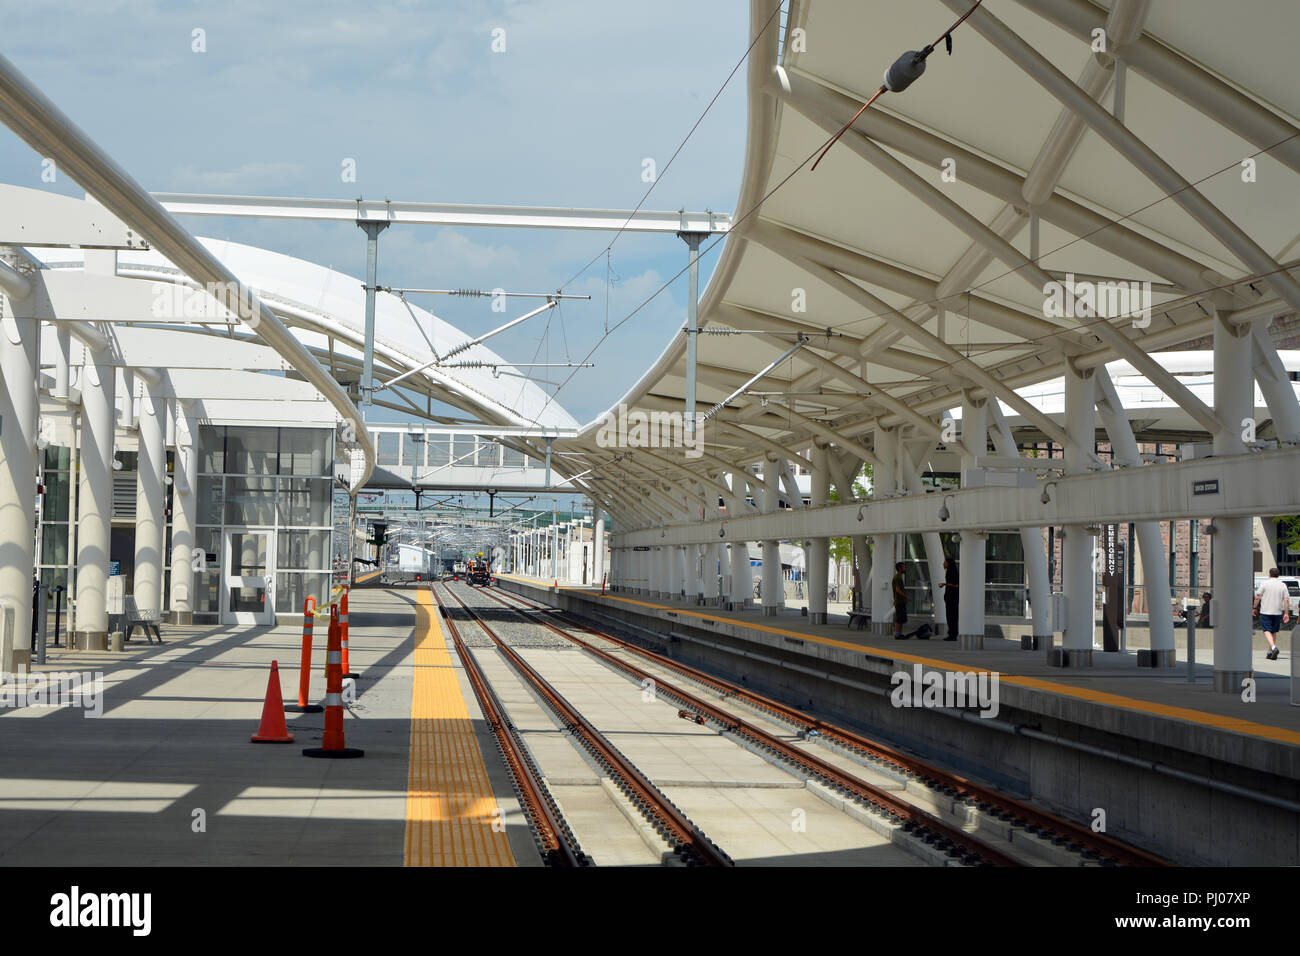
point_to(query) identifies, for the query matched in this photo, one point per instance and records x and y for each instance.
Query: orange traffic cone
(332, 741)
(272, 730)
(343, 634)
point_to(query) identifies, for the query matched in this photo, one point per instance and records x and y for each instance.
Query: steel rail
(558, 844)
(684, 835)
(958, 843)
(1047, 825)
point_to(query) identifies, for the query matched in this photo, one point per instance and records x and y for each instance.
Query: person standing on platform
(900, 601)
(1203, 619)
(951, 596)
(1273, 604)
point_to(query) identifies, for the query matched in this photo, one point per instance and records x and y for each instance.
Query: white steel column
(742, 578)
(712, 560)
(973, 548)
(933, 547)
(884, 484)
(1234, 401)
(819, 555)
(185, 481)
(597, 544)
(1276, 385)
(1079, 549)
(150, 521)
(1031, 544)
(19, 412)
(1155, 569)
(95, 502)
(773, 589)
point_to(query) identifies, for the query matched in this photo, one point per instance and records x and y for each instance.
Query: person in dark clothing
(951, 599)
(900, 600)
(1203, 619)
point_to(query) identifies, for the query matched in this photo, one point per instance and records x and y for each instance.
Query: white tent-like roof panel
(879, 241)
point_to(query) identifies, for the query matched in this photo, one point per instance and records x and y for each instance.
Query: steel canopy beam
(441, 214)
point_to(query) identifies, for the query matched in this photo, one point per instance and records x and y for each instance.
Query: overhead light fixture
(944, 513)
(1211, 528)
(861, 508)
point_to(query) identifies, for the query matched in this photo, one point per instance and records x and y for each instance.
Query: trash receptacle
(115, 640)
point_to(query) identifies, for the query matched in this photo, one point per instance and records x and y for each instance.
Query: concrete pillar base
(1154, 658)
(818, 617)
(89, 640)
(1069, 657)
(770, 610)
(181, 617)
(22, 660)
(1228, 682)
(970, 642)
(1036, 642)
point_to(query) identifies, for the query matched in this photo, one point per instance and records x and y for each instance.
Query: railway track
(1080, 840)
(687, 841)
(558, 846)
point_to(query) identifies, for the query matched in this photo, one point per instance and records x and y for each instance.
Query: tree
(842, 548)
(1288, 531)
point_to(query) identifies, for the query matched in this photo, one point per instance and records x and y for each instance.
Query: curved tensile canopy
(325, 309)
(916, 263)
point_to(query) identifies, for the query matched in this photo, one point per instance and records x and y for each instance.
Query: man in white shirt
(1273, 604)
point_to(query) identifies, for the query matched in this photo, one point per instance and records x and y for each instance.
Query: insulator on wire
(905, 71)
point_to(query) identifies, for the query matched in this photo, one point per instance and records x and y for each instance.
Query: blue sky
(412, 91)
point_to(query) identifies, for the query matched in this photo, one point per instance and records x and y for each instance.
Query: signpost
(1112, 583)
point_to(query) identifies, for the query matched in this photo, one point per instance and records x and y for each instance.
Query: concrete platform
(167, 775)
(1160, 756)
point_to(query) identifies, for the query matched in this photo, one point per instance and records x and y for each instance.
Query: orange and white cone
(272, 729)
(343, 627)
(332, 741)
(304, 668)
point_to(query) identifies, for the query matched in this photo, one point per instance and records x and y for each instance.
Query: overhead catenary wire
(680, 146)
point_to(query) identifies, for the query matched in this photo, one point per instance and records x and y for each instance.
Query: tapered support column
(95, 503)
(1155, 572)
(598, 563)
(884, 484)
(150, 520)
(1080, 545)
(1031, 544)
(973, 548)
(933, 547)
(1234, 400)
(185, 482)
(19, 410)
(742, 578)
(710, 572)
(773, 589)
(819, 555)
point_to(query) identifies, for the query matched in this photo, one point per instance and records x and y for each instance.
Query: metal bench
(132, 618)
(859, 618)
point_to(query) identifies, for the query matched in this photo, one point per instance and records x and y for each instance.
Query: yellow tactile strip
(450, 808)
(1233, 724)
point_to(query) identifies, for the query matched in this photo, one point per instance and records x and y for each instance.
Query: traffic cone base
(272, 729)
(307, 709)
(340, 754)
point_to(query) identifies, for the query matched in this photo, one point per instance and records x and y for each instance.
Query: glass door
(247, 597)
